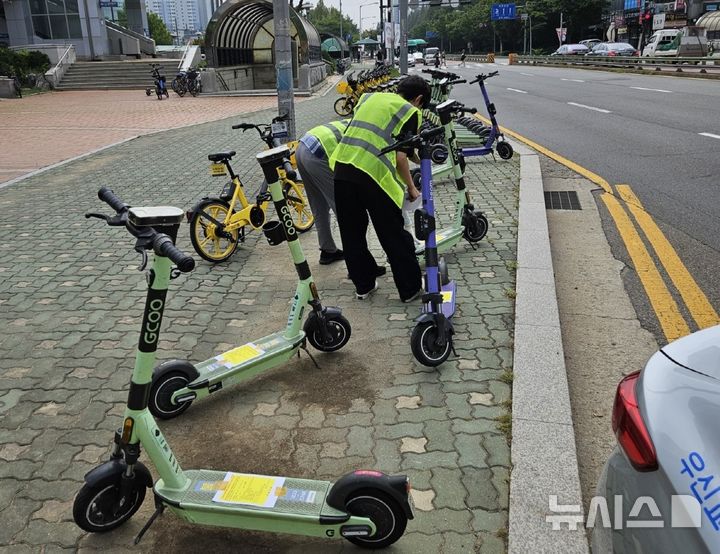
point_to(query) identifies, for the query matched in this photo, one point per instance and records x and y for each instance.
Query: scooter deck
(249, 354)
(444, 238)
(241, 491)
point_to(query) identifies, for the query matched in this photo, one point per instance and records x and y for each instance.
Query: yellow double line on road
(666, 309)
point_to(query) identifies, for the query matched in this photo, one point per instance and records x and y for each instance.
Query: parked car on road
(571, 50)
(411, 60)
(418, 57)
(664, 473)
(660, 43)
(613, 49)
(590, 42)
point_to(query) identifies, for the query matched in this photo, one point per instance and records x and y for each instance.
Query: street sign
(658, 21)
(431, 34)
(561, 33)
(502, 11)
(109, 4)
(524, 16)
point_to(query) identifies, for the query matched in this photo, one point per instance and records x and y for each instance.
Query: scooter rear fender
(117, 467)
(395, 486)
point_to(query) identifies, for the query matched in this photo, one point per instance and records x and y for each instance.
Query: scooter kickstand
(311, 356)
(159, 509)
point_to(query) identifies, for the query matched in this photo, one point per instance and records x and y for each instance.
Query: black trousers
(357, 199)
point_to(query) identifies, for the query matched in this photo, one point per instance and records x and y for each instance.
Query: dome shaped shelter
(241, 34)
(711, 22)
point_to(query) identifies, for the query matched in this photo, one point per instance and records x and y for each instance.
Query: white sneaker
(367, 294)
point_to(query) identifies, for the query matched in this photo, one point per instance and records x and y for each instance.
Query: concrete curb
(543, 455)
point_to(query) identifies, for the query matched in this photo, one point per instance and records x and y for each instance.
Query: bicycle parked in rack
(187, 81)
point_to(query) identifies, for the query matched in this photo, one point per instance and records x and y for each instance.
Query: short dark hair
(413, 86)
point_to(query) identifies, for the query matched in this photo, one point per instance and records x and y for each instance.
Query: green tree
(158, 32)
(327, 21)
(121, 17)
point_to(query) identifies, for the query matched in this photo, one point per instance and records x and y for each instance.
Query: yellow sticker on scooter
(217, 170)
(241, 354)
(439, 238)
(447, 295)
(248, 489)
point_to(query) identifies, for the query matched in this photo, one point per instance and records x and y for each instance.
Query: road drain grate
(562, 200)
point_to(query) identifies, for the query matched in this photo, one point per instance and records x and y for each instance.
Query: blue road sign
(502, 11)
(108, 4)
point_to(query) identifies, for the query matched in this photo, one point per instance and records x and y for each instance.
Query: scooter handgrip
(108, 196)
(163, 246)
(243, 126)
(468, 110)
(457, 82)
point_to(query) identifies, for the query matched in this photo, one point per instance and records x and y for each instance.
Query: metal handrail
(56, 73)
(185, 53)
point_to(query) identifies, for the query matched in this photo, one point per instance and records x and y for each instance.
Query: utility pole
(283, 64)
(561, 29)
(403, 37)
(341, 35)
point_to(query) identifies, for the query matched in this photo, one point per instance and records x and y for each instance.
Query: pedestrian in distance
(443, 61)
(313, 160)
(436, 59)
(371, 187)
(462, 58)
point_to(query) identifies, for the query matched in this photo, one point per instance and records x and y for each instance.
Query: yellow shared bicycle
(217, 224)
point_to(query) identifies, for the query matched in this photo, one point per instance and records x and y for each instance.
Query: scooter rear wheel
(98, 508)
(423, 344)
(161, 391)
(389, 518)
(337, 326)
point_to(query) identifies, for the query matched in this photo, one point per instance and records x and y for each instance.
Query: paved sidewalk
(44, 129)
(71, 300)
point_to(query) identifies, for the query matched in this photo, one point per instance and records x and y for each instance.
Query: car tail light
(611, 53)
(629, 427)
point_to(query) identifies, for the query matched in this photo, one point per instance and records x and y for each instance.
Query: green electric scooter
(177, 383)
(468, 223)
(366, 507)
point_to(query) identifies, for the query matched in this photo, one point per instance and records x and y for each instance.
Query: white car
(430, 55)
(418, 57)
(411, 60)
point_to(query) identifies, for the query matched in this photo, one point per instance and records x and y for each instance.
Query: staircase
(115, 75)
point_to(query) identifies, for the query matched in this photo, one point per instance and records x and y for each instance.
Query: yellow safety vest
(379, 116)
(329, 135)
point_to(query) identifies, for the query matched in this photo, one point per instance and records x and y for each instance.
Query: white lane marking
(651, 89)
(710, 135)
(517, 90)
(573, 80)
(589, 107)
(528, 74)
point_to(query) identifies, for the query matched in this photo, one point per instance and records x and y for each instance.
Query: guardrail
(703, 65)
(479, 58)
(55, 74)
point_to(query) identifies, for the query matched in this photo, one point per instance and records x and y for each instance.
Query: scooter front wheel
(388, 517)
(425, 347)
(476, 226)
(161, 391)
(338, 333)
(102, 507)
(504, 150)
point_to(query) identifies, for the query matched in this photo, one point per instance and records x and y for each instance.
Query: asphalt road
(645, 131)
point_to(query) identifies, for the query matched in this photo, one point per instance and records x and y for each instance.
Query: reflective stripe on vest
(329, 135)
(379, 117)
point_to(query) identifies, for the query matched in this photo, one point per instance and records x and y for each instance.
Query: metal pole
(561, 28)
(403, 37)
(89, 29)
(341, 35)
(283, 63)
(530, 45)
(382, 28)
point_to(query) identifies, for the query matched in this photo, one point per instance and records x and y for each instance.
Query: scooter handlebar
(244, 126)
(468, 110)
(108, 196)
(413, 141)
(457, 82)
(163, 246)
(483, 77)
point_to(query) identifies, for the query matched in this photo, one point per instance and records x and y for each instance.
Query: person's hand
(413, 193)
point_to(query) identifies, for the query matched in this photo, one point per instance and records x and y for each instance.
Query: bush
(23, 62)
